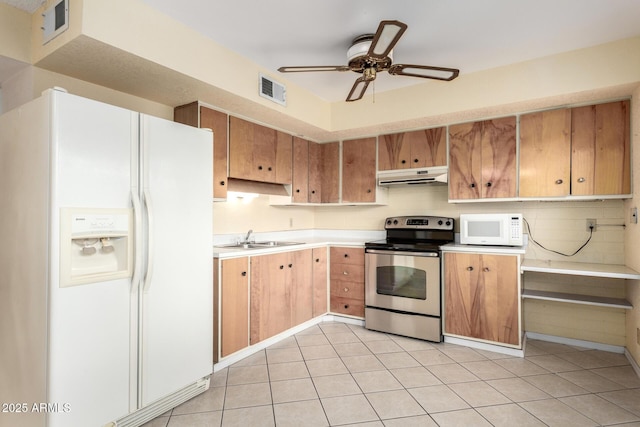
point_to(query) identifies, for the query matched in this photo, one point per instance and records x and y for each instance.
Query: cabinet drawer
(349, 306)
(347, 255)
(353, 290)
(347, 272)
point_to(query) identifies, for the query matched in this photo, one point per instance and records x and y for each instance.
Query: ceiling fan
(372, 53)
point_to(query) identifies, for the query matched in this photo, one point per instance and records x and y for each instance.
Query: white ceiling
(471, 35)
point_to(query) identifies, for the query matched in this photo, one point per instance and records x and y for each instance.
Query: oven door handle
(402, 253)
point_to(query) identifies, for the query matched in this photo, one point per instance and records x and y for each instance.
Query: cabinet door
(301, 286)
(499, 158)
(259, 153)
(545, 153)
(330, 172)
(270, 296)
(481, 297)
(300, 181)
(319, 281)
(465, 160)
(359, 170)
(315, 176)
(415, 149)
(234, 294)
(600, 149)
(217, 122)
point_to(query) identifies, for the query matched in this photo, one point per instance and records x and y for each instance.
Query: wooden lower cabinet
(347, 280)
(281, 293)
(482, 298)
(233, 292)
(319, 281)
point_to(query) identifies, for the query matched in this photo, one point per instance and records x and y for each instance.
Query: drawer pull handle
(346, 306)
(244, 273)
(559, 181)
(281, 267)
(317, 259)
(290, 265)
(346, 255)
(259, 168)
(346, 289)
(346, 273)
(221, 182)
(472, 185)
(581, 179)
(486, 269)
(469, 268)
(488, 184)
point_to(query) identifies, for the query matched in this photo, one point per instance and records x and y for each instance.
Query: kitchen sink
(259, 245)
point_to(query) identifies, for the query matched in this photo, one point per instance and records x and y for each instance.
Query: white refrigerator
(105, 264)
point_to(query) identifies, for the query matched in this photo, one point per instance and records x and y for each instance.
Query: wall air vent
(55, 20)
(273, 90)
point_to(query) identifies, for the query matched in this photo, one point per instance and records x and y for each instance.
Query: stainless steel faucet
(246, 238)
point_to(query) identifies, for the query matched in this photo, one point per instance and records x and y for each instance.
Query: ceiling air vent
(273, 90)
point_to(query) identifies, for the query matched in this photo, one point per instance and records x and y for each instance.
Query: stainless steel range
(402, 277)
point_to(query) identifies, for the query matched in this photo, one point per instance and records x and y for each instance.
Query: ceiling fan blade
(313, 68)
(358, 89)
(388, 34)
(424, 71)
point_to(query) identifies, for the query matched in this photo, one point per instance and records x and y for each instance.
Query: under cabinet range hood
(434, 175)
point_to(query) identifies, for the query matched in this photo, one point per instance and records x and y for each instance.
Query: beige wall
(15, 33)
(632, 237)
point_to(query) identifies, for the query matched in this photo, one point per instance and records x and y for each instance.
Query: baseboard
(633, 362)
(248, 351)
(484, 346)
(577, 343)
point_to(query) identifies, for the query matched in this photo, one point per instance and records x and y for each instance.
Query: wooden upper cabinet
(259, 153)
(326, 174)
(415, 149)
(582, 151)
(482, 159)
(545, 153)
(600, 154)
(194, 114)
(359, 170)
(300, 180)
(218, 122)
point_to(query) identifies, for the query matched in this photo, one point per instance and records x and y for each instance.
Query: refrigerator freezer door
(177, 295)
(89, 348)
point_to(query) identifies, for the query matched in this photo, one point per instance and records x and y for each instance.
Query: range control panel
(419, 223)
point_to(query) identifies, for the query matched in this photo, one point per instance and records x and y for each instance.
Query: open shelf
(577, 299)
(614, 271)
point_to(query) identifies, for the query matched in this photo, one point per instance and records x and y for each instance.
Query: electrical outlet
(592, 224)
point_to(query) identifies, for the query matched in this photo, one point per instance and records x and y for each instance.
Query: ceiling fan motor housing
(358, 58)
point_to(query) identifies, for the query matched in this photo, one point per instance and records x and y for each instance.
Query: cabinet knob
(369, 190)
(403, 161)
(488, 184)
(221, 182)
(244, 273)
(290, 265)
(346, 273)
(469, 268)
(313, 191)
(346, 289)
(259, 168)
(346, 306)
(415, 160)
(269, 168)
(317, 259)
(346, 255)
(559, 181)
(581, 179)
(281, 267)
(297, 190)
(472, 185)
(486, 269)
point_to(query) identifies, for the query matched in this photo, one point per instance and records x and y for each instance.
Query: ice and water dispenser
(96, 245)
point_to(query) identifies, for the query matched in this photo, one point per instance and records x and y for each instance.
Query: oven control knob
(395, 222)
(388, 222)
(448, 223)
(440, 222)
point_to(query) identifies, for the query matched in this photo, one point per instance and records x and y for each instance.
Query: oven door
(403, 281)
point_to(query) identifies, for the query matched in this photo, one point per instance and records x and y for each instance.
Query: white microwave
(497, 229)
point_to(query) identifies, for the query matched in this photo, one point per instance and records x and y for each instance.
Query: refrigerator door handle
(135, 234)
(150, 259)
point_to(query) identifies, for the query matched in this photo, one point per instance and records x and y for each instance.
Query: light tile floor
(340, 374)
